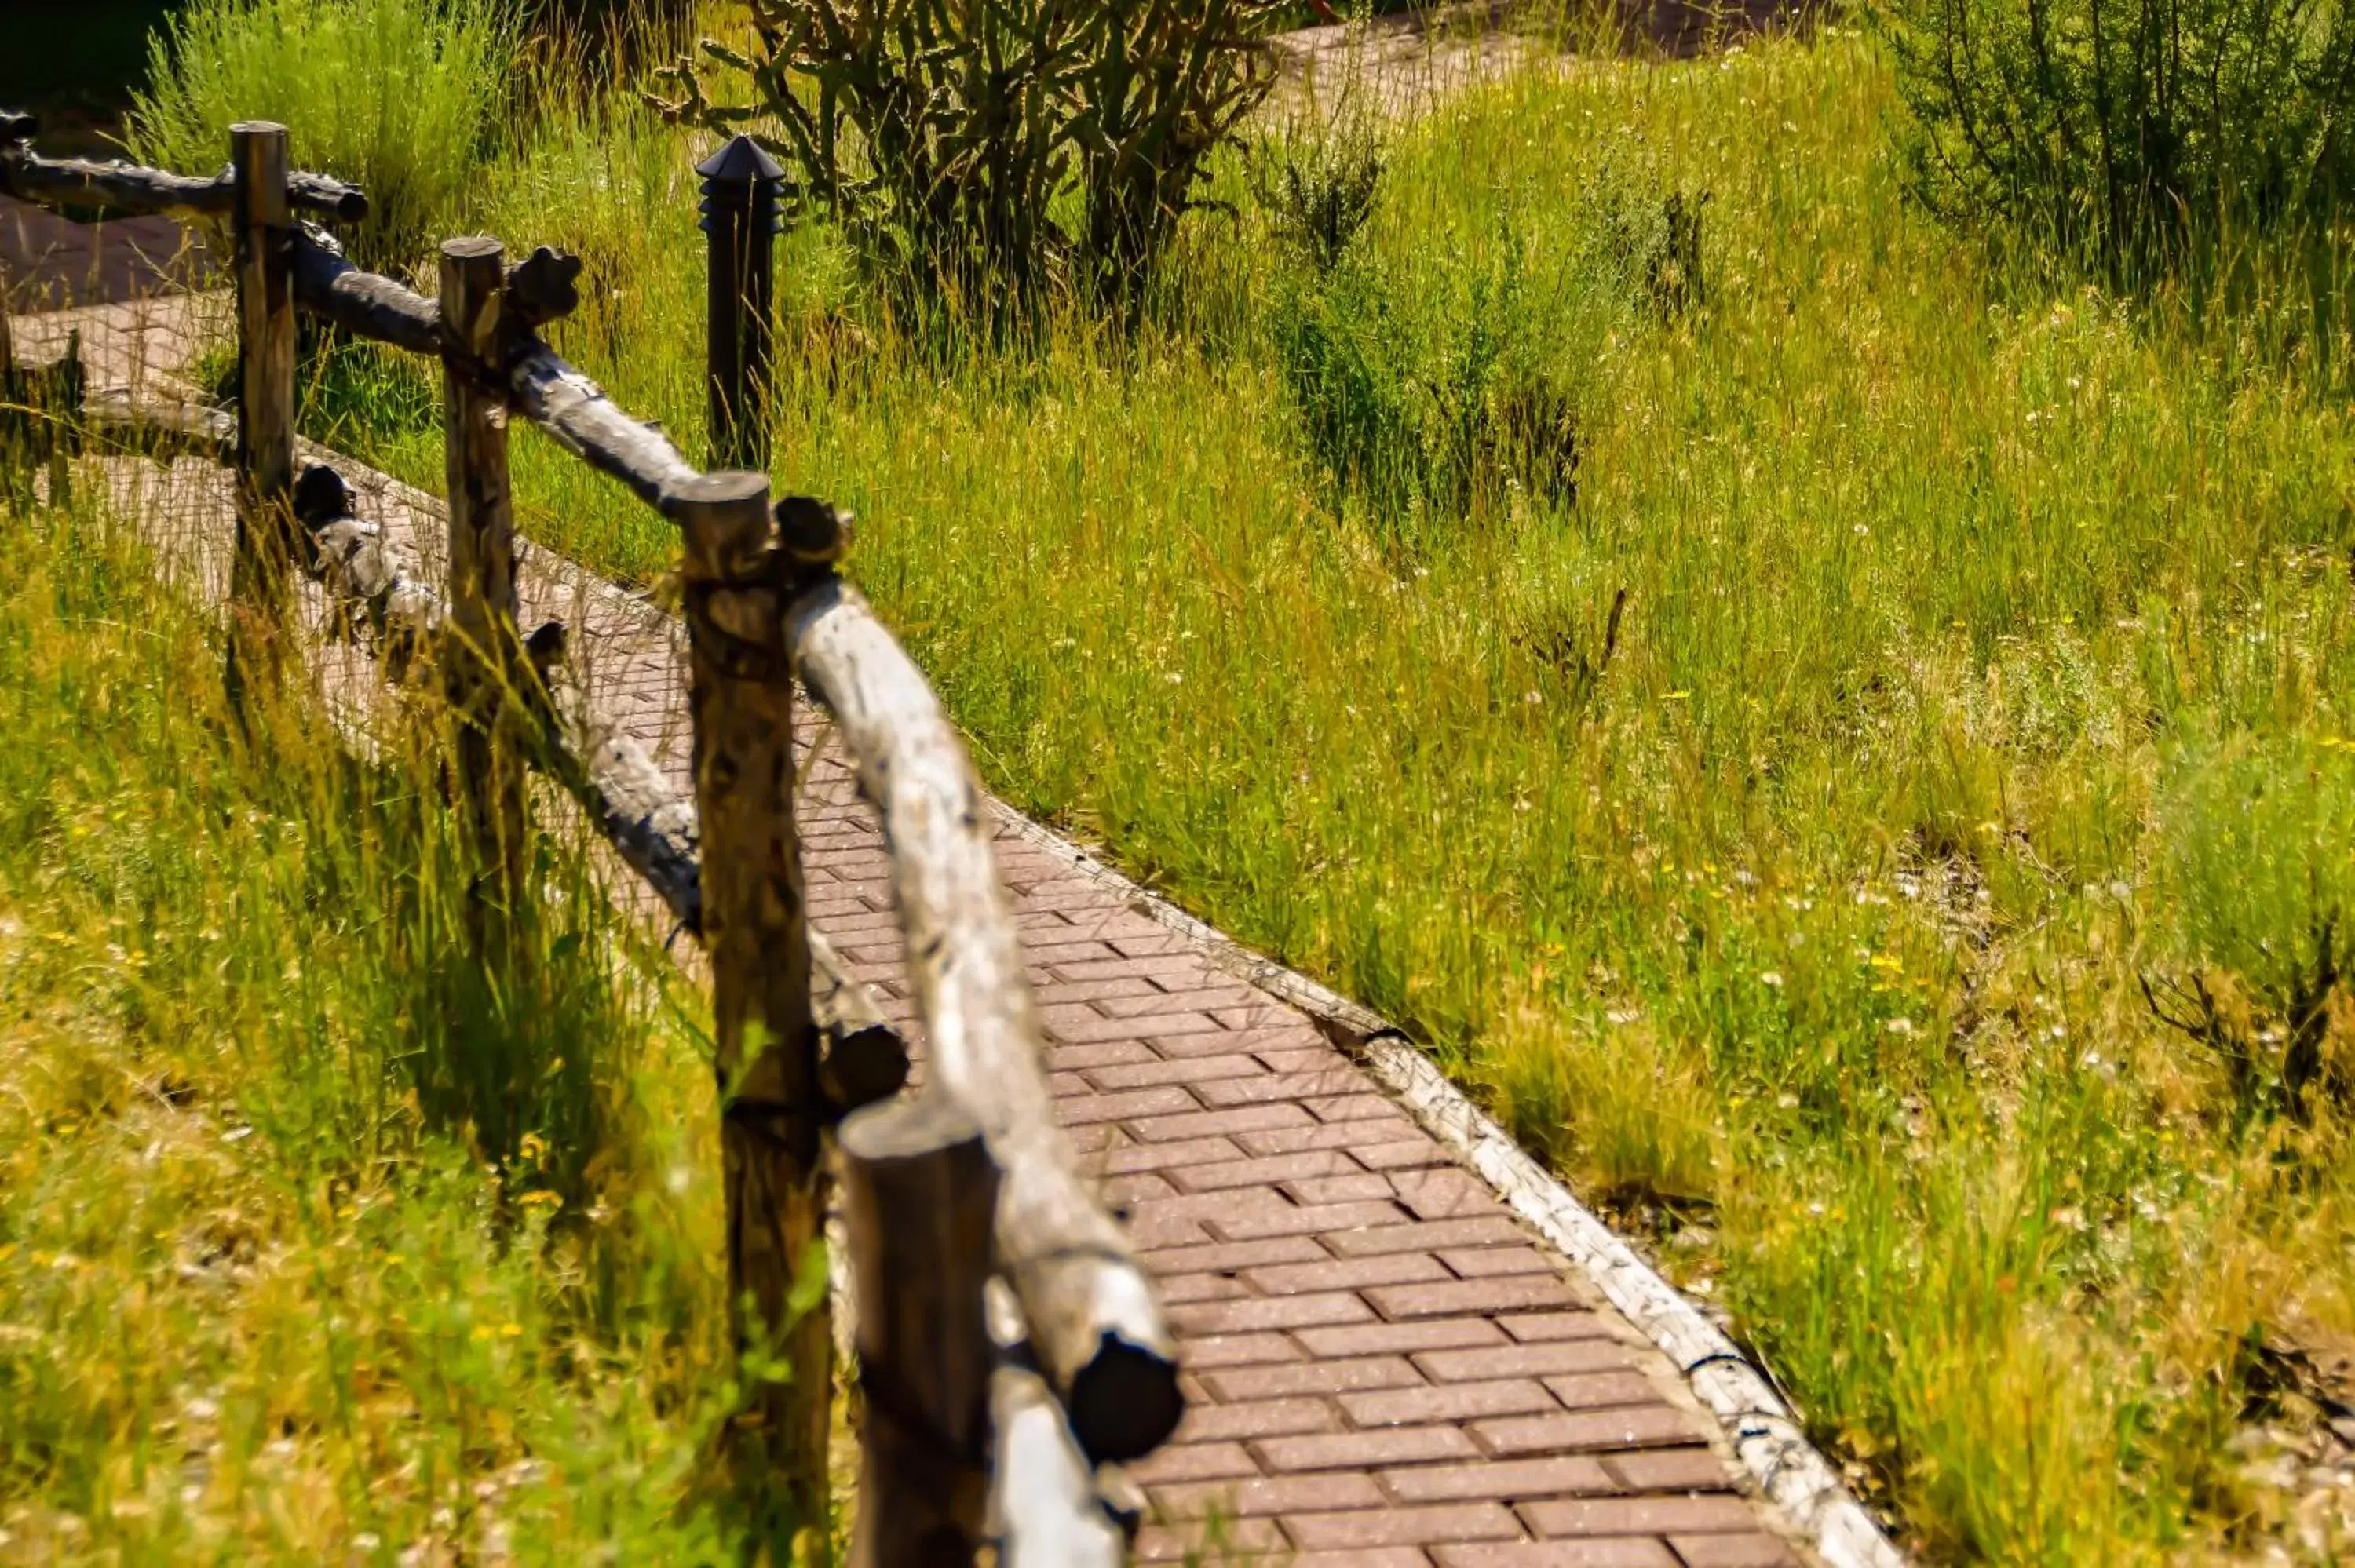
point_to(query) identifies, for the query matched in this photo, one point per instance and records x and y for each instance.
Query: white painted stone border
(1769, 1442)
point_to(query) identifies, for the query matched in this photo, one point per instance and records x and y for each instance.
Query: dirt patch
(1409, 60)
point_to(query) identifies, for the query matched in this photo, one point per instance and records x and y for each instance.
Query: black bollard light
(740, 217)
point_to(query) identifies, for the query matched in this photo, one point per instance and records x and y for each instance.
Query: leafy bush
(2128, 132)
(2258, 852)
(402, 97)
(1430, 407)
(1319, 187)
(990, 151)
(1445, 384)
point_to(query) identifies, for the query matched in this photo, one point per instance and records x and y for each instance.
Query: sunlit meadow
(1921, 921)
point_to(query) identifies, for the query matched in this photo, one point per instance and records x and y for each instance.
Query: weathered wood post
(741, 693)
(920, 1197)
(741, 185)
(16, 427)
(265, 405)
(16, 445)
(40, 414)
(482, 650)
(61, 414)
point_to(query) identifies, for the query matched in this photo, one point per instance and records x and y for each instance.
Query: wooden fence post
(15, 433)
(741, 693)
(484, 665)
(920, 1199)
(265, 404)
(740, 187)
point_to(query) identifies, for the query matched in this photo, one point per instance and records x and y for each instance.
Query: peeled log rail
(365, 578)
(576, 412)
(125, 190)
(1095, 1324)
(160, 428)
(550, 393)
(616, 781)
(654, 829)
(1046, 1509)
(361, 303)
(541, 288)
(611, 776)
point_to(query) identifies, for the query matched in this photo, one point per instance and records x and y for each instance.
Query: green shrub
(1448, 382)
(2259, 838)
(1342, 367)
(1319, 187)
(2129, 133)
(992, 152)
(406, 98)
(1432, 400)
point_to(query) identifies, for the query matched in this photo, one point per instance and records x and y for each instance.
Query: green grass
(406, 98)
(1985, 657)
(316, 1245)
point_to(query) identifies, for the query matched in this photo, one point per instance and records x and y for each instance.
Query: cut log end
(472, 248)
(814, 532)
(864, 1067)
(543, 287)
(1125, 1402)
(321, 497)
(546, 648)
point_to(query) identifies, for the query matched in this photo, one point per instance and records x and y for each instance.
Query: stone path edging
(1759, 1425)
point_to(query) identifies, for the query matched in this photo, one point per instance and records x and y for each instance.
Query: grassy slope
(263, 1299)
(1982, 658)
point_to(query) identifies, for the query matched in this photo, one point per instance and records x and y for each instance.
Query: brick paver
(1384, 1366)
(48, 262)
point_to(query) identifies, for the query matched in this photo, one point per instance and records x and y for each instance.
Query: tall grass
(309, 1250)
(406, 98)
(1809, 928)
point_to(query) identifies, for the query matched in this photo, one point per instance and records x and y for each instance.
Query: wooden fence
(1011, 1351)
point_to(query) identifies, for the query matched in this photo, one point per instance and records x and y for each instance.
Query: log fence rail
(1011, 1351)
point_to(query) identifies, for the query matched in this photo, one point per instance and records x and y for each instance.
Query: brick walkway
(49, 263)
(1386, 1369)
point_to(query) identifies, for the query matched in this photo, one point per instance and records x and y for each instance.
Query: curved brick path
(1386, 1369)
